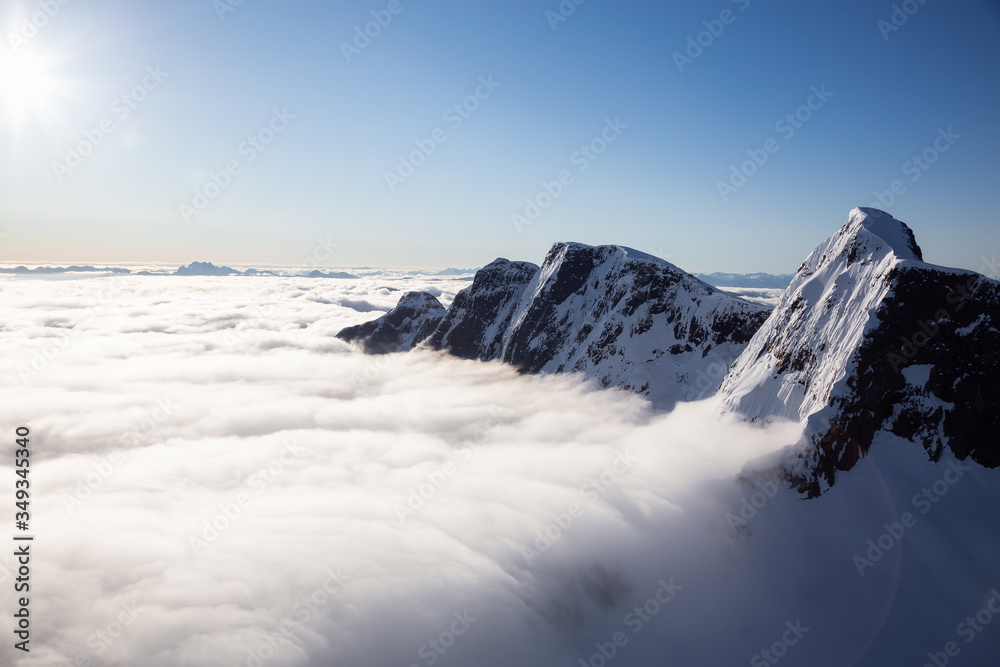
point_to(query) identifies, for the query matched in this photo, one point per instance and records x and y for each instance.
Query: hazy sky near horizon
(341, 120)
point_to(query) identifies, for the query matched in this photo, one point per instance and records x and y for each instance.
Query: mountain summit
(614, 314)
(868, 338)
(620, 316)
(412, 320)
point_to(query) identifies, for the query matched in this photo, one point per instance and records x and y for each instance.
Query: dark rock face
(481, 314)
(618, 293)
(617, 315)
(413, 319)
(930, 373)
(869, 338)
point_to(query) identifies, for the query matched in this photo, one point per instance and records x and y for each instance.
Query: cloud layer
(219, 482)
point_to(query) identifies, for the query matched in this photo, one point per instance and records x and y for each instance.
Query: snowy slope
(869, 337)
(622, 317)
(412, 320)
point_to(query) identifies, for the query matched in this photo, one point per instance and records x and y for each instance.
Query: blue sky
(679, 130)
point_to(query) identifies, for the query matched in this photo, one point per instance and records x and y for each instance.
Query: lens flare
(29, 86)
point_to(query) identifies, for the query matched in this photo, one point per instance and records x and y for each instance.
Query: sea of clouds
(218, 481)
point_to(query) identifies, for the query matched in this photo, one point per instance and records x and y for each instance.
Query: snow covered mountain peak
(791, 366)
(868, 337)
(869, 238)
(413, 319)
(565, 248)
(617, 315)
(888, 232)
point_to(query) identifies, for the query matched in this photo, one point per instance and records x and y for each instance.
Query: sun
(27, 84)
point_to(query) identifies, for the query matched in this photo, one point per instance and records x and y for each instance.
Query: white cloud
(228, 402)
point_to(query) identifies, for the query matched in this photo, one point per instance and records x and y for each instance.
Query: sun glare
(27, 85)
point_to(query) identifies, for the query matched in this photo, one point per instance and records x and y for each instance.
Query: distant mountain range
(867, 338)
(206, 269)
(761, 280)
(209, 269)
(456, 272)
(193, 269)
(64, 269)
